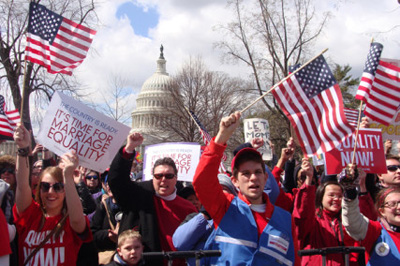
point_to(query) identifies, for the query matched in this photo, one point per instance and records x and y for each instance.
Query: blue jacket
(192, 235)
(237, 238)
(385, 251)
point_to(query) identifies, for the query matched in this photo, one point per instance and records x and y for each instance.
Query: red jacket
(319, 231)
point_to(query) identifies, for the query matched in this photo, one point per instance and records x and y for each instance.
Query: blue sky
(141, 19)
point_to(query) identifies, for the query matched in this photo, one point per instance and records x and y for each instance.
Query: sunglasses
(9, 170)
(90, 177)
(57, 187)
(167, 176)
(393, 168)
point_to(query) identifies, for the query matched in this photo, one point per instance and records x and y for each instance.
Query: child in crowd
(129, 250)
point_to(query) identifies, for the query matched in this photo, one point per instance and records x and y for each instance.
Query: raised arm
(125, 192)
(69, 163)
(355, 223)
(23, 197)
(227, 127)
(205, 181)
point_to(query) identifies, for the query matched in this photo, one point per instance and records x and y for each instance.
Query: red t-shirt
(57, 251)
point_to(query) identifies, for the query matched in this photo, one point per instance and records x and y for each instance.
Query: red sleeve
(284, 200)
(297, 259)
(367, 207)
(206, 185)
(276, 172)
(373, 232)
(127, 155)
(304, 212)
(4, 237)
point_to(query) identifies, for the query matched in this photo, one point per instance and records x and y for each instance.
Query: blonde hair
(128, 234)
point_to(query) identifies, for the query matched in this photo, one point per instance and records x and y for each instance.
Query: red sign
(370, 154)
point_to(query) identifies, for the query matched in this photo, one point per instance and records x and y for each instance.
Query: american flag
(57, 43)
(384, 96)
(8, 121)
(352, 116)
(312, 101)
(206, 137)
(368, 75)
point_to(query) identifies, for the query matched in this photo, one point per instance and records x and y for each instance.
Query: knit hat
(225, 180)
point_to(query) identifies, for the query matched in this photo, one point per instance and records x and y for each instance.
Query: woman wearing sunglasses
(92, 179)
(381, 239)
(57, 211)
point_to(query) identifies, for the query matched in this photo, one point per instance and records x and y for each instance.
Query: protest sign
(185, 155)
(70, 125)
(370, 154)
(393, 130)
(258, 128)
(318, 159)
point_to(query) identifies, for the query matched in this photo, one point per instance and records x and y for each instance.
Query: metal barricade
(331, 250)
(171, 255)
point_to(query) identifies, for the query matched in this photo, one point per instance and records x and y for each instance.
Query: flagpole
(23, 95)
(279, 83)
(357, 129)
(358, 126)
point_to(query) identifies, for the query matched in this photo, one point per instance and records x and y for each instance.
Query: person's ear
(381, 211)
(235, 182)
(119, 252)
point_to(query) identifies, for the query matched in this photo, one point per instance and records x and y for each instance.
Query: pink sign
(370, 154)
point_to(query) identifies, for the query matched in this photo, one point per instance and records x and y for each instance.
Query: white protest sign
(185, 155)
(70, 125)
(258, 128)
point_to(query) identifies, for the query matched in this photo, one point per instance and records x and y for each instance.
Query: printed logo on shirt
(382, 249)
(279, 243)
(53, 252)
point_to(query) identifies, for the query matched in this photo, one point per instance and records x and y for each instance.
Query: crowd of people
(55, 212)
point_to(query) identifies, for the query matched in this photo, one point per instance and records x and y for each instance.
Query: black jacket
(100, 226)
(136, 201)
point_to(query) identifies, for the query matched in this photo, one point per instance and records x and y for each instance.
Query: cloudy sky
(128, 40)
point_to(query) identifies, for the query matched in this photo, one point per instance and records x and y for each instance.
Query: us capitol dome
(151, 106)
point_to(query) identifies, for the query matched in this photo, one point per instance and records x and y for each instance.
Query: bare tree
(210, 95)
(270, 35)
(32, 77)
(117, 101)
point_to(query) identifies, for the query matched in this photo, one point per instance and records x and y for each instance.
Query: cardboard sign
(185, 155)
(370, 154)
(258, 128)
(393, 130)
(70, 125)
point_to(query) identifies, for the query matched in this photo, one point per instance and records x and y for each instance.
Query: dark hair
(247, 157)
(392, 157)
(319, 195)
(381, 196)
(166, 161)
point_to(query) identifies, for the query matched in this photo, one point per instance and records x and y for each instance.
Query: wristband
(362, 193)
(23, 152)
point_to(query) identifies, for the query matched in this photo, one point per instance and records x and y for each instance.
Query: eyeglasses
(392, 204)
(57, 187)
(393, 168)
(335, 196)
(167, 176)
(90, 177)
(9, 170)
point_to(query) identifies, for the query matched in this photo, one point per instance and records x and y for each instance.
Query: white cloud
(185, 28)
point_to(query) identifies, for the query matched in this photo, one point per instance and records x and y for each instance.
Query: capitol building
(152, 104)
